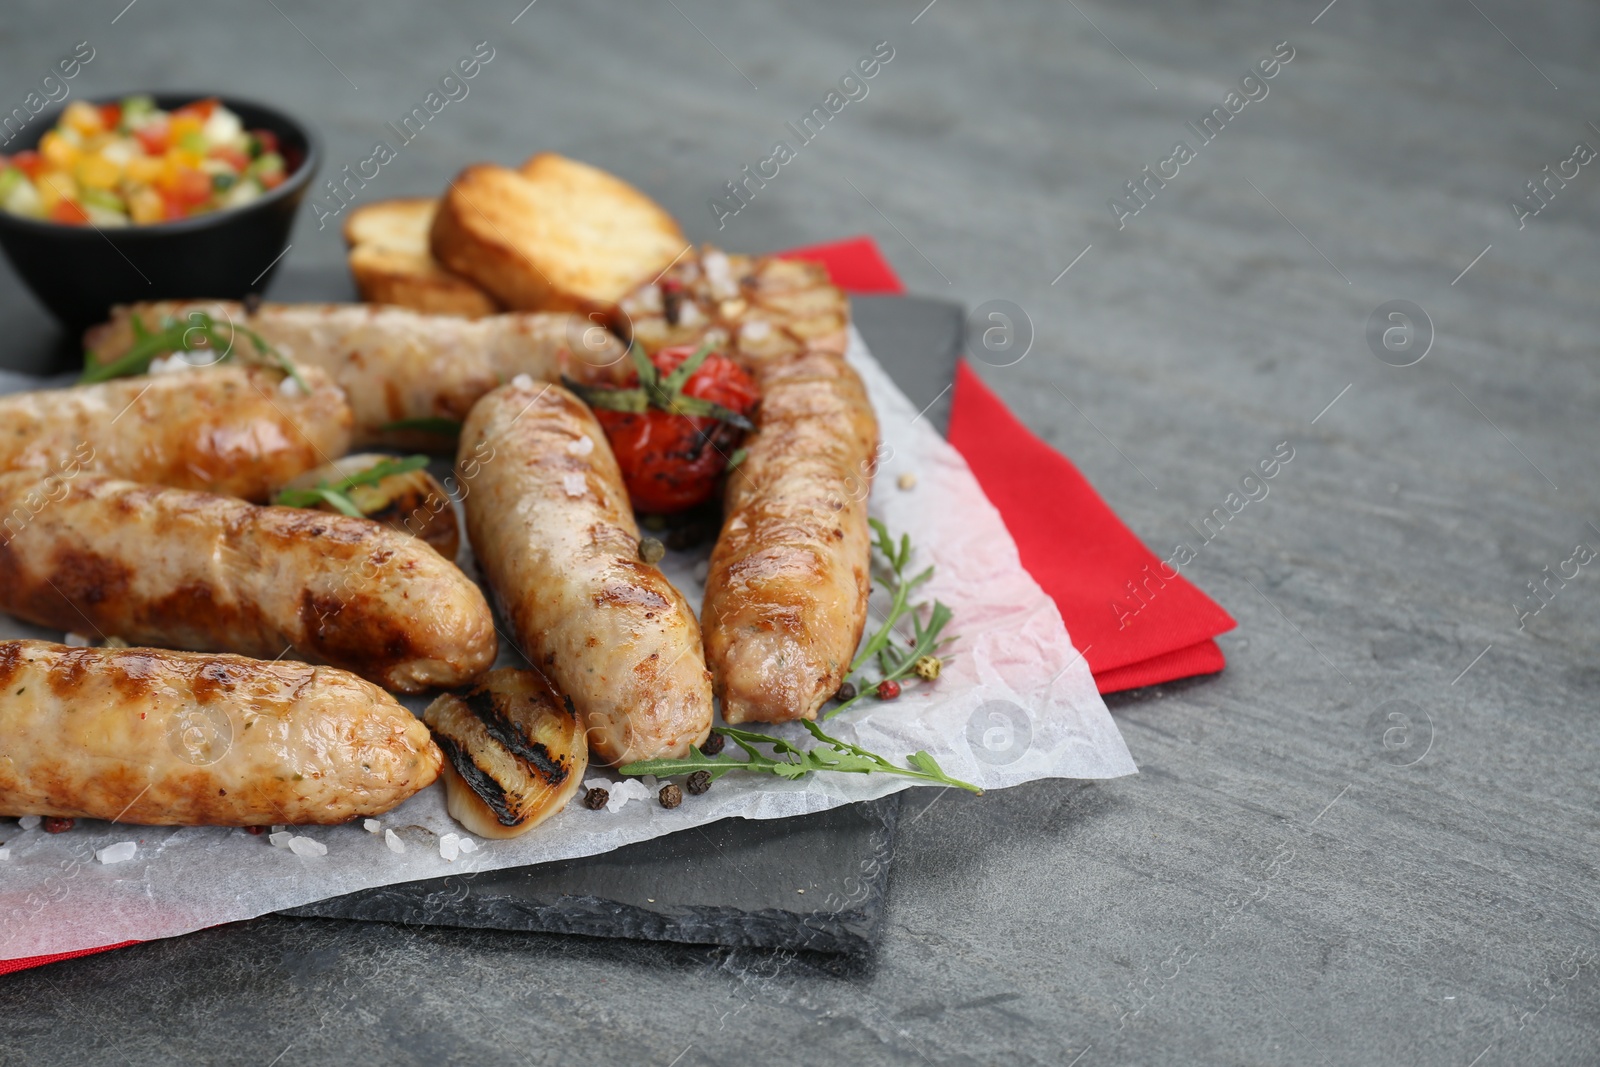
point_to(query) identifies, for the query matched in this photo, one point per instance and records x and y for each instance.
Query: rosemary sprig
(175, 336)
(790, 761)
(427, 424)
(337, 493)
(894, 662)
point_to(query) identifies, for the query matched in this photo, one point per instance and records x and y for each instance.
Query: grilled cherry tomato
(671, 461)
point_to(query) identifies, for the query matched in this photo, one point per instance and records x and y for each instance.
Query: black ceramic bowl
(79, 272)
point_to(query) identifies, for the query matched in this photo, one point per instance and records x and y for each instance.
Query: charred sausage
(141, 735)
(210, 573)
(399, 364)
(225, 429)
(549, 520)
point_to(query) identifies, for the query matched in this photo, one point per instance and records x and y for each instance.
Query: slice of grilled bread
(554, 235)
(391, 263)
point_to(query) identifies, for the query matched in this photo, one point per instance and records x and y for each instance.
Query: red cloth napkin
(1135, 621)
(1076, 549)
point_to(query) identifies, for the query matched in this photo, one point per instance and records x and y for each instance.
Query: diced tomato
(200, 109)
(191, 186)
(68, 211)
(110, 115)
(267, 139)
(233, 157)
(29, 163)
(156, 138)
(172, 207)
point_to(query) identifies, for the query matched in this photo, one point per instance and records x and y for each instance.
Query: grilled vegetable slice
(396, 492)
(514, 751)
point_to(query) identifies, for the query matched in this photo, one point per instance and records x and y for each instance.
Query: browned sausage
(174, 568)
(552, 528)
(142, 735)
(230, 428)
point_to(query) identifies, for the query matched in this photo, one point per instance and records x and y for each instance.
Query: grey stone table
(1373, 839)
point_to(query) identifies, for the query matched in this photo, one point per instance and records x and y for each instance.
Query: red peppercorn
(888, 690)
(57, 826)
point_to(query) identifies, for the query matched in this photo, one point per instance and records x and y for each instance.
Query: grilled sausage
(786, 594)
(191, 570)
(400, 364)
(141, 735)
(549, 520)
(226, 429)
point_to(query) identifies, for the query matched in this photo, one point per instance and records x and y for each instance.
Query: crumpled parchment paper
(1014, 703)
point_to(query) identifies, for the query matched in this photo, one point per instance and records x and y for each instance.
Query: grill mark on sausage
(488, 790)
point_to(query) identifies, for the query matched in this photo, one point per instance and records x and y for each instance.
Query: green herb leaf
(894, 661)
(201, 332)
(441, 426)
(337, 493)
(789, 761)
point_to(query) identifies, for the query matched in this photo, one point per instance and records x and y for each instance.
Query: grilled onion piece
(412, 502)
(514, 752)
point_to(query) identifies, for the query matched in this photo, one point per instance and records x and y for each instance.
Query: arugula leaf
(175, 336)
(789, 761)
(337, 493)
(428, 424)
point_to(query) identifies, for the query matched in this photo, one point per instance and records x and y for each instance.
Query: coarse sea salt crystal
(280, 838)
(597, 783)
(392, 839)
(306, 847)
(290, 387)
(450, 846)
(279, 826)
(582, 446)
(5, 854)
(29, 822)
(574, 484)
(72, 640)
(372, 826)
(118, 853)
(468, 845)
(522, 381)
(756, 330)
(624, 791)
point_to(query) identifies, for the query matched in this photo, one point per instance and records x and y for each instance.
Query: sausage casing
(786, 594)
(141, 735)
(400, 364)
(550, 523)
(174, 568)
(228, 429)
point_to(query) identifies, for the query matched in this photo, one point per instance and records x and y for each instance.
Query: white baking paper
(1014, 703)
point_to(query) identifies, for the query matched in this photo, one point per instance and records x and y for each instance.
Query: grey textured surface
(1277, 886)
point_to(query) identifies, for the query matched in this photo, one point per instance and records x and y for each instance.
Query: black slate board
(738, 882)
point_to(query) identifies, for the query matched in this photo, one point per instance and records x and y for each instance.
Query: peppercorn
(255, 831)
(57, 826)
(928, 667)
(699, 781)
(651, 550)
(671, 796)
(888, 690)
(713, 745)
(847, 691)
(596, 798)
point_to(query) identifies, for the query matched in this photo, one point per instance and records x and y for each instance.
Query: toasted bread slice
(555, 235)
(391, 263)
